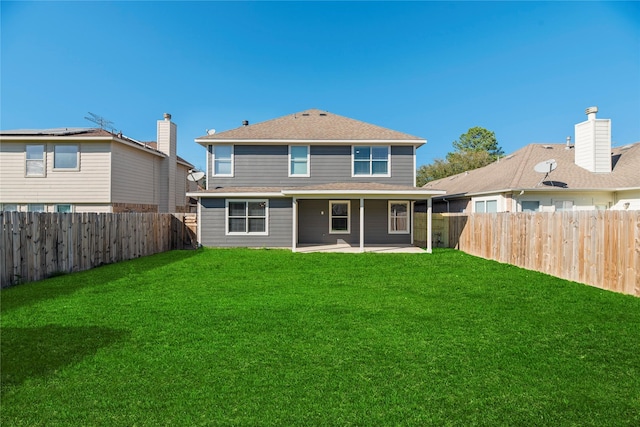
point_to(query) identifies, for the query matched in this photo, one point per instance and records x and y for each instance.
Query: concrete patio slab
(346, 248)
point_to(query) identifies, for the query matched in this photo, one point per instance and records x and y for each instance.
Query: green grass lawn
(269, 337)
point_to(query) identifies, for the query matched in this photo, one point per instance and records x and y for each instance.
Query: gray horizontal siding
(212, 221)
(314, 224)
(268, 166)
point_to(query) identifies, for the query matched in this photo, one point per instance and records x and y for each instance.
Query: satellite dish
(211, 131)
(546, 167)
(195, 175)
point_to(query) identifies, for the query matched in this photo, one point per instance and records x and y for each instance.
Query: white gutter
(254, 141)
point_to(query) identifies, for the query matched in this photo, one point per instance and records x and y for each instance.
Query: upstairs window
(371, 161)
(247, 217)
(398, 217)
(299, 160)
(65, 157)
(222, 156)
(339, 217)
(34, 165)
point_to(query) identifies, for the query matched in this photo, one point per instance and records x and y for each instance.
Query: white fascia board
(233, 194)
(359, 193)
(416, 142)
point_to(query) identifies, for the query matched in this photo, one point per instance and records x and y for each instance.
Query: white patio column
(361, 225)
(429, 204)
(294, 221)
(411, 216)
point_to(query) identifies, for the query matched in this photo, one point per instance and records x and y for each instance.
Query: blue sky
(525, 70)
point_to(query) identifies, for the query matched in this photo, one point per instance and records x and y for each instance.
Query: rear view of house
(92, 170)
(309, 178)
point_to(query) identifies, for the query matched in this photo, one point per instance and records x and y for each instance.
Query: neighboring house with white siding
(309, 178)
(588, 175)
(92, 170)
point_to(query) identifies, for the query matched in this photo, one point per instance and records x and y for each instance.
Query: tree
(479, 139)
(474, 149)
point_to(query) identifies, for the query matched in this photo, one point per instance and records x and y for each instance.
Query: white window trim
(44, 161)
(213, 160)
(58, 169)
(499, 206)
(353, 160)
(348, 230)
(308, 174)
(399, 202)
(247, 233)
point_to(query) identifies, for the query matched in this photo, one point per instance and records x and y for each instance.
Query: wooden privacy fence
(599, 248)
(34, 246)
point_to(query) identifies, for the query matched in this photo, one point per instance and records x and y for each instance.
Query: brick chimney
(593, 143)
(167, 137)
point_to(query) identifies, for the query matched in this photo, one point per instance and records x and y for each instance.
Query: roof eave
(209, 141)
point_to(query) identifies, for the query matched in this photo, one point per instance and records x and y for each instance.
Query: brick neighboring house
(309, 178)
(587, 175)
(92, 170)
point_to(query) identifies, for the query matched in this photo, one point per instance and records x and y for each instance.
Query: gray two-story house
(309, 178)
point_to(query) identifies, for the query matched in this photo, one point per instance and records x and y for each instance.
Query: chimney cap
(591, 110)
(167, 116)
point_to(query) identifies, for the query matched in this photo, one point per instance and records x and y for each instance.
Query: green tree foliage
(474, 149)
(479, 139)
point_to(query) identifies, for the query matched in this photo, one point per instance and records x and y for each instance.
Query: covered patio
(359, 193)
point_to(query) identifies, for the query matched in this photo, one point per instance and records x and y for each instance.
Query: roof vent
(305, 114)
(323, 114)
(245, 123)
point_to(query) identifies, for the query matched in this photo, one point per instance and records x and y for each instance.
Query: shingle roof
(312, 125)
(84, 133)
(515, 171)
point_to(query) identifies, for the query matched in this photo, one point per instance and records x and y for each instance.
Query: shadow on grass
(40, 352)
(31, 293)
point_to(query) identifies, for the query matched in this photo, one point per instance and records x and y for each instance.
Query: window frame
(485, 203)
(227, 217)
(522, 209)
(391, 218)
(43, 161)
(64, 204)
(214, 160)
(16, 207)
(370, 161)
(66, 169)
(331, 216)
(290, 162)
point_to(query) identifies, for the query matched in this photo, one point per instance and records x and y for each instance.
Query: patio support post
(429, 205)
(294, 232)
(411, 216)
(361, 225)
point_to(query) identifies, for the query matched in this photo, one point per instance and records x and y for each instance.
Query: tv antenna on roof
(101, 121)
(545, 167)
